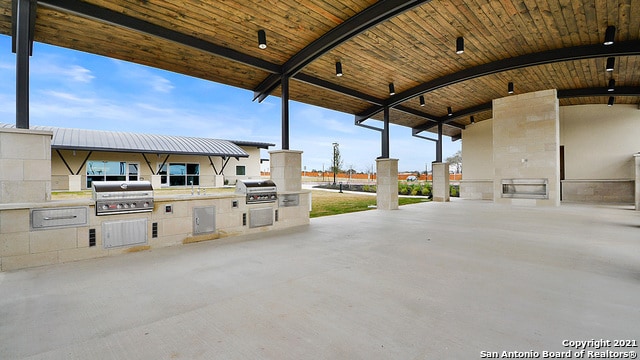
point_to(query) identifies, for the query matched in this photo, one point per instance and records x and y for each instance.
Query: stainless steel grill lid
(121, 197)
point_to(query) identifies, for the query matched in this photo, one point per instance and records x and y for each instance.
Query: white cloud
(160, 84)
(75, 73)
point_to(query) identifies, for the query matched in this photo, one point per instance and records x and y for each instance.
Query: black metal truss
(101, 14)
(366, 19)
(629, 48)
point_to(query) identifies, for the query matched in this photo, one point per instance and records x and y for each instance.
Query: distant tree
(336, 161)
(456, 160)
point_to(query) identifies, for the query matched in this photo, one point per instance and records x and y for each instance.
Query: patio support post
(385, 135)
(285, 112)
(23, 49)
(439, 144)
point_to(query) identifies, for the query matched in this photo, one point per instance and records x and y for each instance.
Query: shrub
(454, 190)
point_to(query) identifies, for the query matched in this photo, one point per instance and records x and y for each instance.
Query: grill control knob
(120, 206)
(105, 207)
(273, 197)
(126, 206)
(133, 205)
(146, 204)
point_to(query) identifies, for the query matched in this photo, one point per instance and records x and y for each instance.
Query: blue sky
(79, 90)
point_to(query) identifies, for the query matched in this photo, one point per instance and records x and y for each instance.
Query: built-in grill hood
(121, 197)
(257, 191)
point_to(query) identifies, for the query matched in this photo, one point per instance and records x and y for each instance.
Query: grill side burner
(257, 191)
(122, 197)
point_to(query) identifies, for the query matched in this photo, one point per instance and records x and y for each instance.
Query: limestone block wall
(25, 166)
(477, 161)
(526, 143)
(601, 191)
(387, 184)
(286, 167)
(22, 247)
(440, 188)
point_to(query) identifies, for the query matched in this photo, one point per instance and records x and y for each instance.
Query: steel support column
(385, 135)
(285, 112)
(23, 49)
(439, 144)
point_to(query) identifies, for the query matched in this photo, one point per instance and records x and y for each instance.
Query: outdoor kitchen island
(71, 230)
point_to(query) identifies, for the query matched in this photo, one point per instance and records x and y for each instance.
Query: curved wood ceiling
(409, 50)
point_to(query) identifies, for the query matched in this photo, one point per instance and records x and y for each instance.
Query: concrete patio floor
(428, 281)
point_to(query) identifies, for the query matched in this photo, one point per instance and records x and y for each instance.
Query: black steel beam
(368, 18)
(285, 112)
(628, 48)
(586, 92)
(23, 9)
(385, 135)
(101, 14)
(439, 144)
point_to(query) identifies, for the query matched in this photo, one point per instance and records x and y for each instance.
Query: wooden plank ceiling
(412, 48)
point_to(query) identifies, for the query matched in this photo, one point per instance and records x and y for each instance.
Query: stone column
(526, 145)
(25, 166)
(440, 189)
(387, 184)
(156, 182)
(286, 169)
(637, 157)
(218, 180)
(75, 182)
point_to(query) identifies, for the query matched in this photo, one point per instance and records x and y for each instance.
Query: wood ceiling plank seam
(546, 14)
(324, 8)
(569, 14)
(507, 31)
(634, 26)
(587, 35)
(557, 19)
(527, 25)
(539, 22)
(498, 41)
(600, 7)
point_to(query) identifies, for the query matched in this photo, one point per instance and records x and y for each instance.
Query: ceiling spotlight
(510, 88)
(610, 63)
(609, 35)
(612, 85)
(338, 68)
(392, 89)
(262, 39)
(611, 100)
(449, 111)
(473, 120)
(421, 100)
(459, 45)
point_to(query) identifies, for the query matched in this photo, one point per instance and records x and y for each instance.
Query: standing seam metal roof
(100, 140)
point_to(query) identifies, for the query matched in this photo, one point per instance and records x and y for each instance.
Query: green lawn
(325, 203)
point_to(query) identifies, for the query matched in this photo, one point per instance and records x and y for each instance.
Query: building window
(181, 174)
(240, 170)
(111, 171)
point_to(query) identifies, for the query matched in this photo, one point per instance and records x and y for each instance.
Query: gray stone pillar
(75, 182)
(25, 166)
(440, 189)
(387, 184)
(637, 157)
(286, 169)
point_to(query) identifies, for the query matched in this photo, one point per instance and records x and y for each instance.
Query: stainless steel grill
(257, 191)
(122, 197)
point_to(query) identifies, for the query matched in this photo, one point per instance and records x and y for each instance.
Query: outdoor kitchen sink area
(95, 225)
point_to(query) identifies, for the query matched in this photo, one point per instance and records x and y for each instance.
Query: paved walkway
(428, 281)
